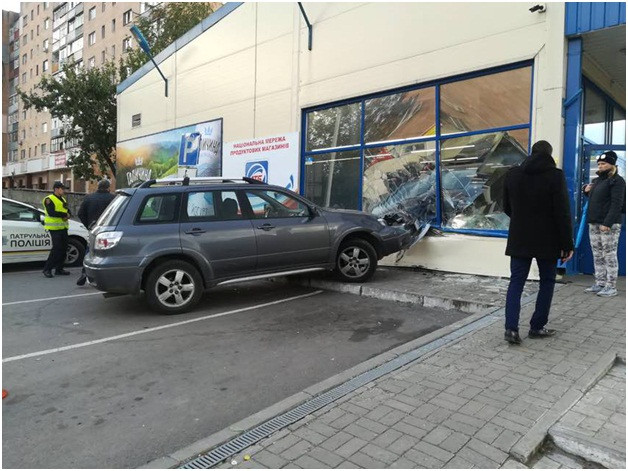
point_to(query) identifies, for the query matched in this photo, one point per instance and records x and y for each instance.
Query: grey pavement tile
(297, 450)
(400, 406)
(489, 451)
(350, 448)
(423, 460)
(371, 425)
(546, 463)
(459, 463)
(402, 444)
(348, 465)
(513, 464)
(387, 438)
(360, 432)
(365, 461)
(476, 458)
(283, 444)
(425, 410)
(331, 459)
(402, 463)
(379, 453)
(392, 417)
(379, 412)
(310, 435)
(270, 460)
(344, 420)
(322, 428)
(307, 462)
(411, 430)
(336, 441)
(489, 433)
(434, 451)
(454, 442)
(506, 440)
(438, 435)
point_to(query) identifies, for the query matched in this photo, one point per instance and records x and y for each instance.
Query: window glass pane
(333, 127)
(619, 126)
(228, 207)
(401, 178)
(333, 180)
(489, 101)
(594, 115)
(472, 178)
(159, 208)
(273, 204)
(16, 212)
(201, 205)
(400, 116)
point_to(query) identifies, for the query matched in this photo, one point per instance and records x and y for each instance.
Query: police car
(24, 238)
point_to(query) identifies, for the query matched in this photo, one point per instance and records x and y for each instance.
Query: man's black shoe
(541, 333)
(62, 272)
(48, 274)
(512, 337)
(81, 281)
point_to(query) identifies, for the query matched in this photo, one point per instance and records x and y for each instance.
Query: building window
(24, 58)
(23, 154)
(32, 16)
(38, 29)
(43, 149)
(103, 53)
(46, 45)
(126, 44)
(92, 13)
(24, 77)
(387, 152)
(136, 120)
(113, 51)
(37, 70)
(35, 153)
(102, 32)
(91, 62)
(24, 40)
(127, 17)
(45, 66)
(47, 23)
(91, 39)
(113, 25)
(44, 128)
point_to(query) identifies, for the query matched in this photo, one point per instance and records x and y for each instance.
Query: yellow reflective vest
(54, 223)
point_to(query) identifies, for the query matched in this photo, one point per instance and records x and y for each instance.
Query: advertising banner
(196, 148)
(273, 160)
(60, 160)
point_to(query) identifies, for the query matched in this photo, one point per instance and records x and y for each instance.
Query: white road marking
(153, 329)
(51, 299)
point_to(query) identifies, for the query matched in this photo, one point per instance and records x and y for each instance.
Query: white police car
(24, 238)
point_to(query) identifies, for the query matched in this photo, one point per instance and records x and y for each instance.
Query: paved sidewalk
(474, 403)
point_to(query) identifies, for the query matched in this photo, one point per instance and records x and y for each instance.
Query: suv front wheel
(174, 287)
(356, 261)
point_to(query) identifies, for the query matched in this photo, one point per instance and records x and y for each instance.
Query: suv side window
(274, 204)
(159, 209)
(213, 206)
(17, 212)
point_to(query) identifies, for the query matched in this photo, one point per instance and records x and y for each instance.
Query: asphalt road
(132, 385)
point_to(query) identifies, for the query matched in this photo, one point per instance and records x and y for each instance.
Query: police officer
(56, 222)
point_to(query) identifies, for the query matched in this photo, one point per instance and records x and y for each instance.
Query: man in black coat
(536, 199)
(91, 208)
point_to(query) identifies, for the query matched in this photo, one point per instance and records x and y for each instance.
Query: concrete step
(572, 441)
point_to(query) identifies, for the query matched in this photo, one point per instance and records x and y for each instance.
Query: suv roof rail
(185, 181)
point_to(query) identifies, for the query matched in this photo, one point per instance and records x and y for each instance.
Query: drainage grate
(249, 438)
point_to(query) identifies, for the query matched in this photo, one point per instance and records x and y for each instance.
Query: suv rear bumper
(120, 280)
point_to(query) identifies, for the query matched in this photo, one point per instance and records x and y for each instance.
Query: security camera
(540, 7)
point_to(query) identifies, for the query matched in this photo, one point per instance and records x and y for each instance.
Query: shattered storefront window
(333, 180)
(401, 179)
(334, 127)
(472, 175)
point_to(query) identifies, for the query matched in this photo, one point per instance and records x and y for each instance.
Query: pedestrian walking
(56, 222)
(536, 199)
(607, 200)
(91, 208)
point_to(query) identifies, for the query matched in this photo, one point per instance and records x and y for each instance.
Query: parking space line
(153, 329)
(51, 299)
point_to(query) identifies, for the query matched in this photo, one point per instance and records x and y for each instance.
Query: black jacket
(93, 206)
(606, 200)
(536, 199)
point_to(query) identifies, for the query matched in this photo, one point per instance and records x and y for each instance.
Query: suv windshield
(112, 214)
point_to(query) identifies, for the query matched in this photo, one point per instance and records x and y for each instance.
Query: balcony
(13, 108)
(77, 10)
(77, 56)
(72, 36)
(55, 132)
(58, 22)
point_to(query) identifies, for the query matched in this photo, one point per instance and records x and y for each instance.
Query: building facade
(10, 72)
(50, 34)
(399, 107)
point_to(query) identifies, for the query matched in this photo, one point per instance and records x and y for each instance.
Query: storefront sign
(61, 160)
(273, 160)
(194, 150)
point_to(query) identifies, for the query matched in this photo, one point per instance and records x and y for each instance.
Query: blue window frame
(339, 144)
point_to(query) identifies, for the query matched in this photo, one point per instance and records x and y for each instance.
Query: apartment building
(52, 33)
(10, 72)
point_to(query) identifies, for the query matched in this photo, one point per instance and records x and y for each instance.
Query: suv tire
(174, 287)
(356, 261)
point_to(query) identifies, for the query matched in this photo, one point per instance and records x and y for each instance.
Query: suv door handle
(266, 227)
(196, 230)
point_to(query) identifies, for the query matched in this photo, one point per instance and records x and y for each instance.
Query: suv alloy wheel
(356, 261)
(174, 287)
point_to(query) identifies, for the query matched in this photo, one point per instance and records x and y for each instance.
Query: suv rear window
(111, 215)
(159, 209)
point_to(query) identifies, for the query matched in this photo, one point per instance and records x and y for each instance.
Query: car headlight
(107, 240)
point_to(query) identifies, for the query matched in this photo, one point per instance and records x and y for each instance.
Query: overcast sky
(11, 5)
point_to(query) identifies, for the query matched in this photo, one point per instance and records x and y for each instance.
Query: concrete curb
(529, 444)
(202, 446)
(591, 449)
(440, 302)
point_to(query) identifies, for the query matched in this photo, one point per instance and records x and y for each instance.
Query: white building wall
(254, 70)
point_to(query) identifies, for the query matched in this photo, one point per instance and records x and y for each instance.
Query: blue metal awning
(584, 17)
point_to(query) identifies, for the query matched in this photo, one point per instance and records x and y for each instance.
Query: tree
(84, 99)
(163, 24)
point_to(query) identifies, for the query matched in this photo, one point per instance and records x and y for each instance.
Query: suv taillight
(107, 240)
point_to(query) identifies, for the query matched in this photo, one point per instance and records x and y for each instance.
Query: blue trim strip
(192, 34)
(479, 232)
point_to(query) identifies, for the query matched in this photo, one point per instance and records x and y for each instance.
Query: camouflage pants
(604, 248)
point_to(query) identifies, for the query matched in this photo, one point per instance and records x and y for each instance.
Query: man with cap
(91, 209)
(56, 222)
(607, 199)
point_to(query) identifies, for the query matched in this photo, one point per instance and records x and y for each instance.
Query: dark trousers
(56, 258)
(519, 269)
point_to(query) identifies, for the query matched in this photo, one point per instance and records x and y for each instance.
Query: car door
(214, 225)
(289, 234)
(24, 238)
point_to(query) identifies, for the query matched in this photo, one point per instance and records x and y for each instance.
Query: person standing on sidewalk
(91, 208)
(536, 200)
(607, 197)
(56, 222)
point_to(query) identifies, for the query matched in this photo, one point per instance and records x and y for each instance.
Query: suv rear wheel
(356, 261)
(174, 287)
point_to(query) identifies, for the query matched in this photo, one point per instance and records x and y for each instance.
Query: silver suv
(173, 239)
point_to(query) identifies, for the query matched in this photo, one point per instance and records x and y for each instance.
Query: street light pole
(141, 40)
